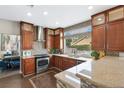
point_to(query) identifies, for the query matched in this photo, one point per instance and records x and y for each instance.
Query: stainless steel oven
(42, 63)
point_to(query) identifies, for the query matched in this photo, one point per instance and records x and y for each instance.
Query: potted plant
(95, 54)
(53, 51)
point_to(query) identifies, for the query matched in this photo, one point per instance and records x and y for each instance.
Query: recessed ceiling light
(29, 14)
(45, 13)
(57, 23)
(90, 7)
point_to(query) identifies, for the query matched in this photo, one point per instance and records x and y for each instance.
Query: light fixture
(29, 14)
(90, 7)
(45, 13)
(57, 23)
(99, 19)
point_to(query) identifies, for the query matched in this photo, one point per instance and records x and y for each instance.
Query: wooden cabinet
(27, 40)
(54, 38)
(116, 14)
(98, 37)
(98, 19)
(49, 38)
(52, 61)
(58, 62)
(28, 66)
(108, 30)
(26, 30)
(115, 36)
(57, 41)
(63, 63)
(68, 63)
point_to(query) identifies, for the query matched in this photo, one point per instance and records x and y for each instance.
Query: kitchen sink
(80, 61)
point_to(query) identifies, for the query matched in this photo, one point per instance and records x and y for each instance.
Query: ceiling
(58, 15)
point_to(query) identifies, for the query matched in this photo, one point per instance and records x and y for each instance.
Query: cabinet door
(56, 62)
(98, 37)
(57, 42)
(50, 43)
(27, 40)
(52, 61)
(29, 66)
(65, 64)
(72, 62)
(116, 14)
(98, 19)
(115, 36)
(68, 63)
(26, 26)
(49, 38)
(60, 62)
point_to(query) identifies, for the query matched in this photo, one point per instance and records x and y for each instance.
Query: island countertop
(107, 71)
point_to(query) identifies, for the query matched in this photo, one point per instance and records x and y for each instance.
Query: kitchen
(84, 55)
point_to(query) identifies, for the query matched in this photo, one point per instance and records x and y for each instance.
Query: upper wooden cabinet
(26, 30)
(57, 41)
(59, 38)
(54, 38)
(116, 14)
(27, 40)
(98, 19)
(49, 38)
(26, 26)
(98, 37)
(108, 34)
(115, 36)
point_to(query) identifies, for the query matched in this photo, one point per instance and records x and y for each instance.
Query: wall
(9, 27)
(38, 49)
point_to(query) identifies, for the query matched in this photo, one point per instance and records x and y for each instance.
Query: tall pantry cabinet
(108, 30)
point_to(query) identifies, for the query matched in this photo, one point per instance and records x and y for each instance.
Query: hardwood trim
(23, 22)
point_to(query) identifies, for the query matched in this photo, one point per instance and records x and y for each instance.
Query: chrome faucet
(74, 51)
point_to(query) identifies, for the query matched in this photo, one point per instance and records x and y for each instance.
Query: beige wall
(9, 27)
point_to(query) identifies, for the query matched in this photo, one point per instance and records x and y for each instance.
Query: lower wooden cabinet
(62, 62)
(68, 63)
(28, 66)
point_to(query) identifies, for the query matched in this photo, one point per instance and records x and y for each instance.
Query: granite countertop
(28, 57)
(72, 57)
(107, 72)
(69, 76)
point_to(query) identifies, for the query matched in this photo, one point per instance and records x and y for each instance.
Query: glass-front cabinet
(116, 14)
(98, 19)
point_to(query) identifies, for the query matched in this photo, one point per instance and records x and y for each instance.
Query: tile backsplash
(121, 54)
(38, 48)
(108, 53)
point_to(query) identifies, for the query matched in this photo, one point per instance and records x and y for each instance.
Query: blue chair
(3, 65)
(15, 64)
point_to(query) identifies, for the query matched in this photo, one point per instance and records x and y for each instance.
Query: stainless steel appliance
(42, 62)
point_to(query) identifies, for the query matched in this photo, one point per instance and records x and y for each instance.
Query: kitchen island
(105, 72)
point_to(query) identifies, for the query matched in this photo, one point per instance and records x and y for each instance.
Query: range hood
(39, 34)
